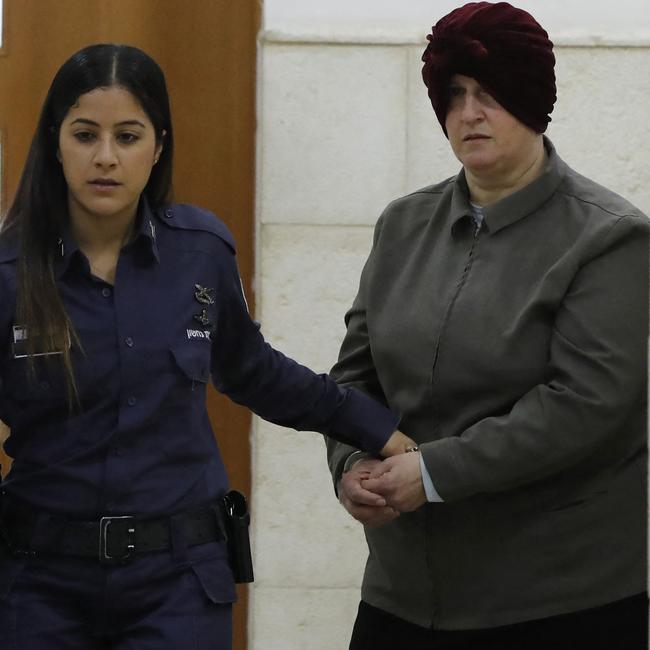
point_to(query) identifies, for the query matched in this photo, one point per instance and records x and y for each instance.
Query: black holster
(237, 520)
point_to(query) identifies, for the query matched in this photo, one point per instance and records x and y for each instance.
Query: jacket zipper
(461, 284)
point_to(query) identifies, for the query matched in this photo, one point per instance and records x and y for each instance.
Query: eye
(126, 137)
(487, 99)
(84, 136)
(456, 91)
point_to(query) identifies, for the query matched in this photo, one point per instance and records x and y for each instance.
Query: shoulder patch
(183, 216)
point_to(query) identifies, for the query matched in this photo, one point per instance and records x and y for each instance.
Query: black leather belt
(113, 540)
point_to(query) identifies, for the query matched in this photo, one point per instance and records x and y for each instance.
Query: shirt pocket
(181, 404)
(45, 384)
(193, 360)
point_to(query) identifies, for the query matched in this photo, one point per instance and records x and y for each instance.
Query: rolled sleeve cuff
(429, 487)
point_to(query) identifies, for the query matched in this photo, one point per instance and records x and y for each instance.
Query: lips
(475, 136)
(104, 182)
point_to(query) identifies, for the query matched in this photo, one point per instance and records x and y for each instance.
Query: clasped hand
(374, 492)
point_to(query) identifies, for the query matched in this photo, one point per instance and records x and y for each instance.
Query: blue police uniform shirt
(142, 443)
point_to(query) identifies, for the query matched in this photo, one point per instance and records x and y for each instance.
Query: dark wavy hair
(39, 211)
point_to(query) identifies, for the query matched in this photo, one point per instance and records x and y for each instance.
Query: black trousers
(622, 625)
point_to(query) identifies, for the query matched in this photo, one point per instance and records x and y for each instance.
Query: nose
(472, 110)
(105, 154)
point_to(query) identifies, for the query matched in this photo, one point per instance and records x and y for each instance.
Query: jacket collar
(518, 205)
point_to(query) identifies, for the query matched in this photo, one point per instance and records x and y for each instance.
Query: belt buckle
(129, 548)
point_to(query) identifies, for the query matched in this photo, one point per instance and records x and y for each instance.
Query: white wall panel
(303, 619)
(625, 20)
(600, 123)
(333, 124)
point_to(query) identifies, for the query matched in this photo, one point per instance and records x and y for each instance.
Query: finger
(353, 488)
(379, 470)
(359, 494)
(375, 485)
(373, 517)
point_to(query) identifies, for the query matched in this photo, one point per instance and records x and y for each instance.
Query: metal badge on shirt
(20, 345)
(204, 296)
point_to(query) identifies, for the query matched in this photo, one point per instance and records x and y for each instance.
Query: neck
(486, 189)
(101, 241)
(96, 234)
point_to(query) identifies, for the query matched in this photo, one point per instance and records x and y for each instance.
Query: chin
(102, 210)
(479, 163)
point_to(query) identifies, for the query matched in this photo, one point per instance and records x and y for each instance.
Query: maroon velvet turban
(503, 48)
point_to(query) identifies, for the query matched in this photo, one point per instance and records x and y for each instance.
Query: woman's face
(107, 148)
(488, 140)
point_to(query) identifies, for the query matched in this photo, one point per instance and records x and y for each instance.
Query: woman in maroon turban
(503, 314)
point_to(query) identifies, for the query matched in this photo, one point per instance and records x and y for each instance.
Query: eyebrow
(83, 120)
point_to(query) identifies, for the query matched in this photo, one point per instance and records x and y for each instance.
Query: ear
(58, 154)
(159, 147)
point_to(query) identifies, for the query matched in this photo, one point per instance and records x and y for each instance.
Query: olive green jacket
(515, 355)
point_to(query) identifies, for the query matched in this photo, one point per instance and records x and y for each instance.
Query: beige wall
(577, 19)
(343, 129)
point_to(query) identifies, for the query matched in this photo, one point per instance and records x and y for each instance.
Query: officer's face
(107, 148)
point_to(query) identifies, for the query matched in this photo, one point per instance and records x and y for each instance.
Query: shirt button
(129, 341)
(131, 401)
(168, 214)
(106, 292)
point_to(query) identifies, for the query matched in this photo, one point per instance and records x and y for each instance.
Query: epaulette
(190, 217)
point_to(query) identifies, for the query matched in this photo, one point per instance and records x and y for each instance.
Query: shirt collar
(512, 208)
(145, 233)
(66, 250)
(144, 239)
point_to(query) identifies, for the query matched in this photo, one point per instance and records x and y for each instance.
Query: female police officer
(115, 309)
